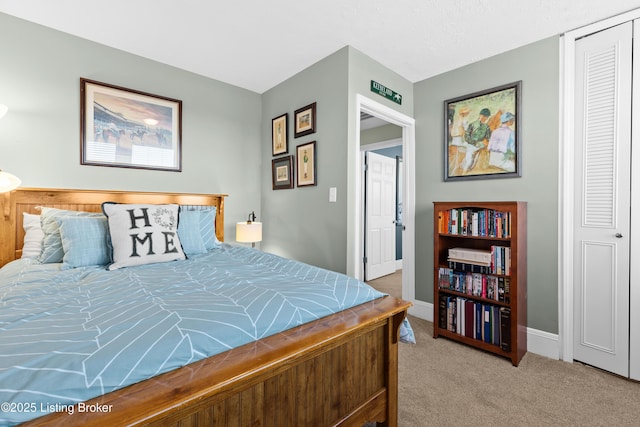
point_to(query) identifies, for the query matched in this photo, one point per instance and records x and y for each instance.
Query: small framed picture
(305, 120)
(279, 135)
(482, 134)
(306, 170)
(281, 173)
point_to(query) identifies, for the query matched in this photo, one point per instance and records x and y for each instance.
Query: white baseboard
(422, 310)
(538, 342)
(543, 343)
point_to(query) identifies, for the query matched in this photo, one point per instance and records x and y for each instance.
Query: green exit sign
(382, 90)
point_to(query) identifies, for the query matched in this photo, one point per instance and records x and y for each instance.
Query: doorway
(356, 233)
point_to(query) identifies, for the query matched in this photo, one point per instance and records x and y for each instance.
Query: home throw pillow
(142, 234)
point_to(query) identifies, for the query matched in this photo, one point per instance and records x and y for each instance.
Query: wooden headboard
(31, 200)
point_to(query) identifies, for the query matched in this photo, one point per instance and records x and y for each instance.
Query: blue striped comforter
(67, 336)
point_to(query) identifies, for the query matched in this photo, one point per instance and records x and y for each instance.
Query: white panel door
(380, 206)
(602, 199)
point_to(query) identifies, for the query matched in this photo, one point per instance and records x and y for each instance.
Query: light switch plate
(333, 194)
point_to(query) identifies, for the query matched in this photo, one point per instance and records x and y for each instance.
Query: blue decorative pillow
(208, 228)
(207, 224)
(189, 232)
(142, 234)
(52, 250)
(84, 240)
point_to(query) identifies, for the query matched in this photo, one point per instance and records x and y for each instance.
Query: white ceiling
(256, 44)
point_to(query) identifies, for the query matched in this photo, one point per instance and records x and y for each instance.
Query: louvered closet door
(602, 199)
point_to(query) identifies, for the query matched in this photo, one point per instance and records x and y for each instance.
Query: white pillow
(142, 234)
(33, 236)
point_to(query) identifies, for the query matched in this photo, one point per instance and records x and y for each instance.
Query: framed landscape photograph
(130, 129)
(305, 120)
(482, 134)
(306, 168)
(279, 143)
(281, 173)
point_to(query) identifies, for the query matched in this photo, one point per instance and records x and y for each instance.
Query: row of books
(475, 284)
(475, 222)
(483, 322)
(495, 261)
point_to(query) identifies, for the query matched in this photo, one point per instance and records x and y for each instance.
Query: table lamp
(249, 231)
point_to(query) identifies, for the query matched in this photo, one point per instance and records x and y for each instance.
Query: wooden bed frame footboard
(338, 370)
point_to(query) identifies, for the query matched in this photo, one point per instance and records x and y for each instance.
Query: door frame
(354, 236)
(566, 213)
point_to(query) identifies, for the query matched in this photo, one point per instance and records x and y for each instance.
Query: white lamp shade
(8, 182)
(249, 232)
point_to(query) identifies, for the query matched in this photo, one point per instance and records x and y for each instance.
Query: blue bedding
(69, 335)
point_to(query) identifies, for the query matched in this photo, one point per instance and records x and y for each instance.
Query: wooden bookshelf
(484, 306)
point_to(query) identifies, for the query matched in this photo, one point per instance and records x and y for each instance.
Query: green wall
(40, 71)
(301, 223)
(380, 134)
(537, 65)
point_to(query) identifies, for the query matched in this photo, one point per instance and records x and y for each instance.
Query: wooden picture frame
(482, 134)
(127, 128)
(305, 120)
(282, 173)
(279, 140)
(306, 167)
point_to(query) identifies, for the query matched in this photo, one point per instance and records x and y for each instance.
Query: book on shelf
(472, 256)
(486, 323)
(495, 322)
(472, 319)
(501, 260)
(478, 331)
(475, 222)
(460, 316)
(505, 329)
(495, 288)
(442, 312)
(468, 267)
(476, 284)
(495, 261)
(451, 314)
(469, 324)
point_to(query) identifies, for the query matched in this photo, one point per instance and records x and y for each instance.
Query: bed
(340, 369)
